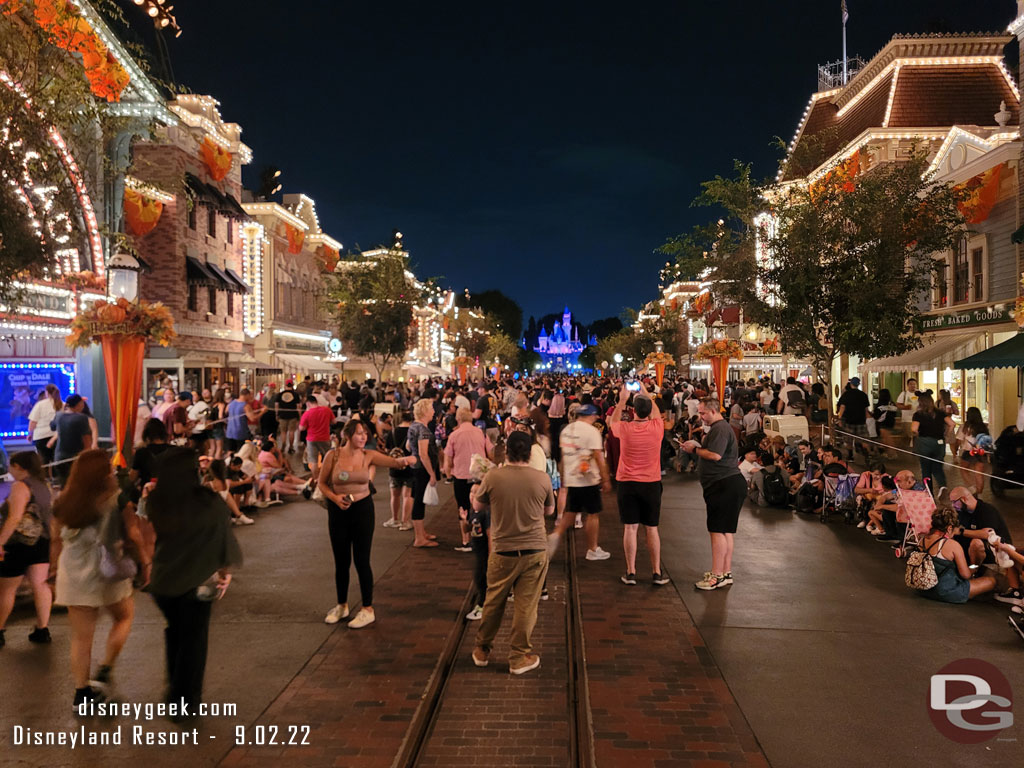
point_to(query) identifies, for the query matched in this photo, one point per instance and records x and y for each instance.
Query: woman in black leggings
(345, 482)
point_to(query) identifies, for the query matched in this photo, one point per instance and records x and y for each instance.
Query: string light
(253, 237)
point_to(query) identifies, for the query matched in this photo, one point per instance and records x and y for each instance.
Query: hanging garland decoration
(296, 237)
(73, 33)
(216, 159)
(141, 213)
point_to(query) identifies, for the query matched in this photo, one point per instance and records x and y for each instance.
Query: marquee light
(273, 209)
(148, 190)
(253, 238)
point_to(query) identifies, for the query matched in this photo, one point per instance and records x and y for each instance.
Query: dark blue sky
(544, 149)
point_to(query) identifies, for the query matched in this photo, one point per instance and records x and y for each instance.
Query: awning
(208, 194)
(242, 286)
(226, 282)
(306, 363)
(245, 359)
(938, 351)
(1006, 354)
(197, 272)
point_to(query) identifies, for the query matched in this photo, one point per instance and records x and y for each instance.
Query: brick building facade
(193, 257)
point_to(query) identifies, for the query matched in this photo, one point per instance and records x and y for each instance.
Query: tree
(626, 343)
(371, 301)
(848, 261)
(470, 331)
(606, 326)
(502, 347)
(505, 312)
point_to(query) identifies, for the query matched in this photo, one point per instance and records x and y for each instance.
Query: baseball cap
(587, 409)
(855, 381)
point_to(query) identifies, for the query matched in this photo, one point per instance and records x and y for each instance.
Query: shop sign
(983, 316)
(20, 386)
(291, 344)
(46, 303)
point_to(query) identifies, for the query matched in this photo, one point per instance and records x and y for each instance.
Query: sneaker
(544, 594)
(862, 524)
(660, 579)
(464, 548)
(629, 578)
(307, 491)
(1011, 596)
(391, 523)
(579, 521)
(529, 661)
(261, 504)
(274, 502)
(598, 554)
(726, 579)
(480, 657)
(405, 527)
(84, 696)
(362, 619)
(244, 520)
(336, 614)
(39, 635)
(711, 581)
(476, 614)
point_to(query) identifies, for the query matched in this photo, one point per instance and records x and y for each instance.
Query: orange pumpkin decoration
(111, 314)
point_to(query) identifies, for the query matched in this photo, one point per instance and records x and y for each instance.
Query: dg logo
(970, 701)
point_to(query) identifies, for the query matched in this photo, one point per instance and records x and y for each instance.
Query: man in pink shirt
(464, 441)
(316, 420)
(639, 477)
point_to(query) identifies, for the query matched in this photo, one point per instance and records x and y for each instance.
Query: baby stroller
(1008, 461)
(839, 496)
(914, 508)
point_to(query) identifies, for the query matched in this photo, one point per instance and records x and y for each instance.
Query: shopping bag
(430, 496)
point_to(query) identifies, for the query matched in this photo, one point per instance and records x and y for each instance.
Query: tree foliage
(847, 264)
(626, 343)
(502, 347)
(505, 312)
(470, 331)
(371, 301)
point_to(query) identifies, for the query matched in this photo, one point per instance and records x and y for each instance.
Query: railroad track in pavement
(477, 715)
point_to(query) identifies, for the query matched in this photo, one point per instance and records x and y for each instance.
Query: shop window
(193, 297)
(211, 223)
(940, 284)
(977, 274)
(213, 299)
(230, 307)
(961, 274)
(192, 215)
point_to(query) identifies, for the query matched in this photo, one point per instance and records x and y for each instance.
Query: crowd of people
(517, 452)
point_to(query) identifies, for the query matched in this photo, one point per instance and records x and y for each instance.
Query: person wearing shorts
(585, 475)
(724, 490)
(465, 442)
(639, 478)
(316, 420)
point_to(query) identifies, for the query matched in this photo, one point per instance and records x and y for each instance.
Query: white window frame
(974, 242)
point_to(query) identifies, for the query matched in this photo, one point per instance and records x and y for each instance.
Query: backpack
(807, 498)
(795, 400)
(776, 490)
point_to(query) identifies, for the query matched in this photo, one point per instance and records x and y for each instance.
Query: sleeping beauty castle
(561, 350)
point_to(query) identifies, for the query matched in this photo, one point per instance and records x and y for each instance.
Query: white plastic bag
(430, 496)
(872, 426)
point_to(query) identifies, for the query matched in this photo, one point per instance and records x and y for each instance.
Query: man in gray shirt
(724, 490)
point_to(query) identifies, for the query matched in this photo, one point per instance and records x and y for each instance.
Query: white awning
(305, 363)
(245, 359)
(938, 351)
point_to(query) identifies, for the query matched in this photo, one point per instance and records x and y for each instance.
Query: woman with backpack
(955, 582)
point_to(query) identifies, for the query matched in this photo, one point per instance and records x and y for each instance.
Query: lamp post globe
(123, 277)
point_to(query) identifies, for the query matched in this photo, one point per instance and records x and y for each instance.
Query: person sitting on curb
(980, 527)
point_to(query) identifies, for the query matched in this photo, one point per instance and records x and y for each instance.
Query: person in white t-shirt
(461, 401)
(795, 404)
(585, 474)
(198, 413)
(907, 401)
(691, 402)
(43, 412)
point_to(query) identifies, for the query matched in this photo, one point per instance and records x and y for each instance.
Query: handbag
(30, 528)
(115, 565)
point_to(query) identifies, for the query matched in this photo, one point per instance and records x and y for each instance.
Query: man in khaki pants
(519, 497)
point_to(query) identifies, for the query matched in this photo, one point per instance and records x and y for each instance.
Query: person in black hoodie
(194, 542)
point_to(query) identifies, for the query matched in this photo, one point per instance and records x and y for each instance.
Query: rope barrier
(861, 439)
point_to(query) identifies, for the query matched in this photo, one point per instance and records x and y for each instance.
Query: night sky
(541, 149)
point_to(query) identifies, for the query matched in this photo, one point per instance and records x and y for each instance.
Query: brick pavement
(491, 719)
(359, 691)
(658, 698)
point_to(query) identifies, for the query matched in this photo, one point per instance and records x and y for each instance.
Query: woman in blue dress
(956, 581)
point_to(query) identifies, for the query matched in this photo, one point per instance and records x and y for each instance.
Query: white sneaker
(391, 523)
(274, 502)
(579, 521)
(244, 520)
(476, 614)
(598, 554)
(336, 614)
(363, 618)
(862, 524)
(259, 504)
